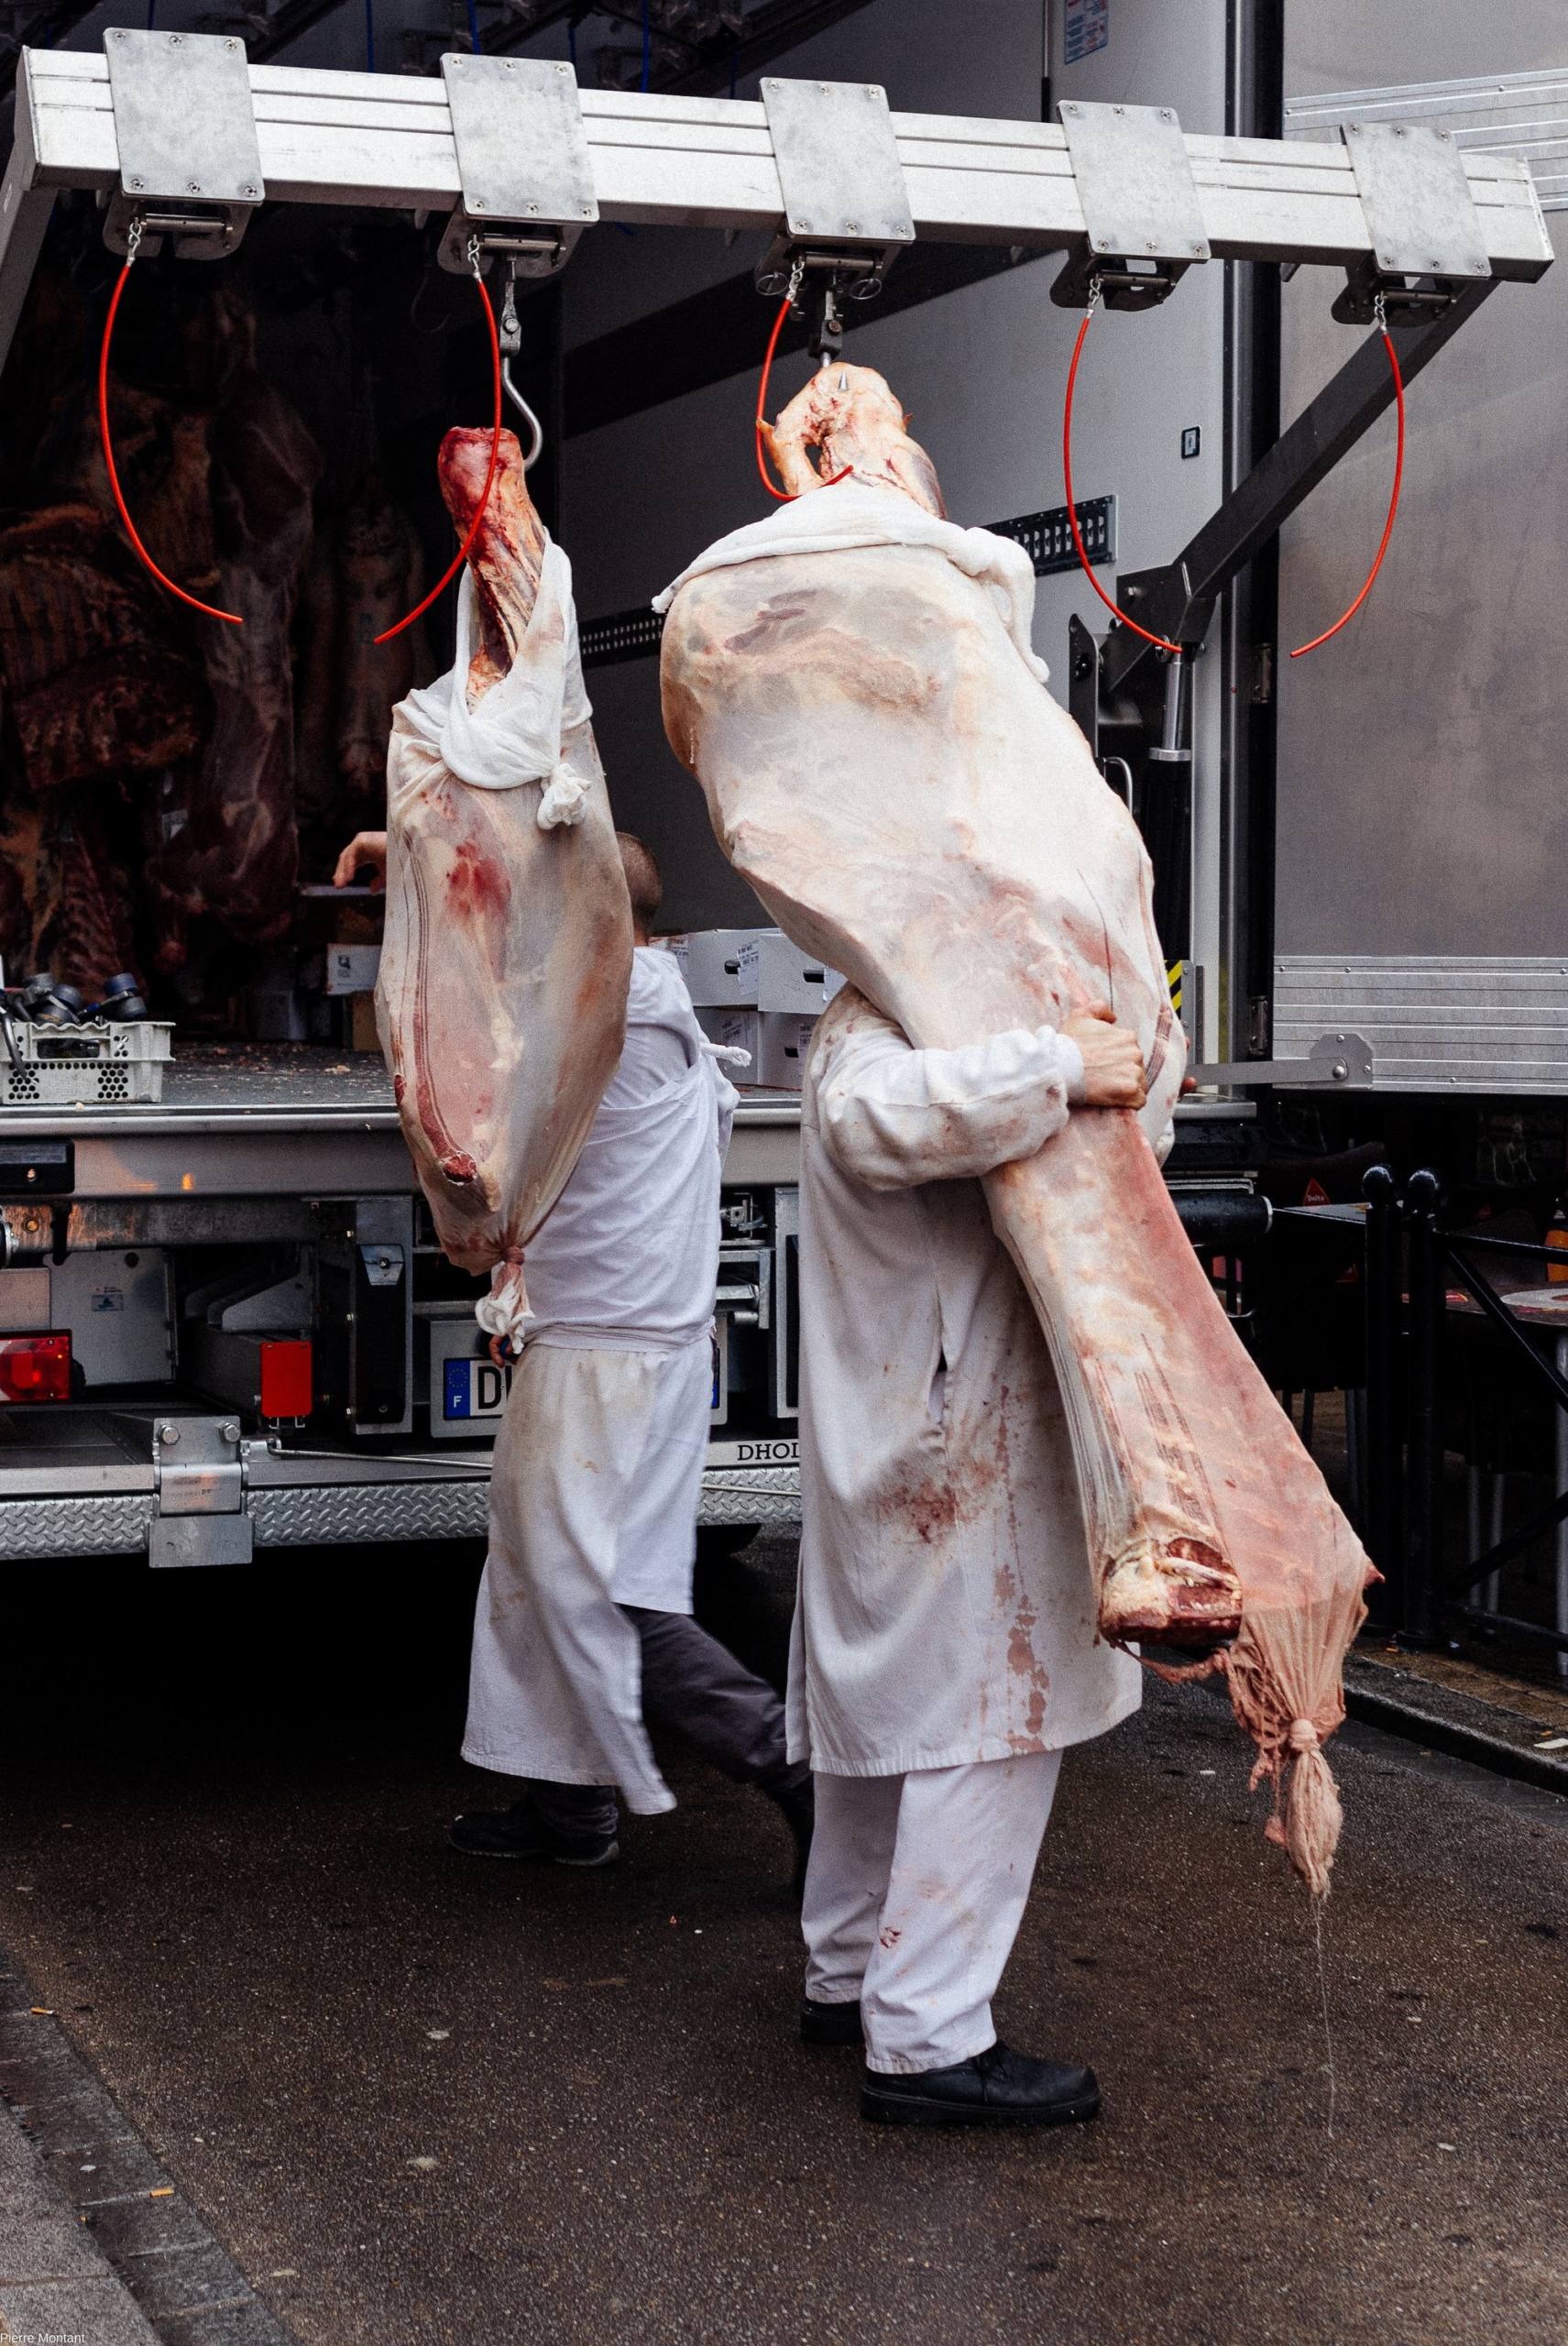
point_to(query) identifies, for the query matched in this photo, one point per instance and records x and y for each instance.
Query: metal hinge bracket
(1427, 243)
(847, 214)
(201, 1471)
(1143, 218)
(1334, 1063)
(186, 131)
(522, 160)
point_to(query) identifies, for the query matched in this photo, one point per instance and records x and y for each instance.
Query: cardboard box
(736, 1030)
(784, 1041)
(720, 966)
(352, 968)
(362, 1031)
(778, 1041)
(788, 978)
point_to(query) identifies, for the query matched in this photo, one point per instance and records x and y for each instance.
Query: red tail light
(286, 1379)
(36, 1369)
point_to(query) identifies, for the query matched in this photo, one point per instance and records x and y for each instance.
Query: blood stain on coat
(934, 1507)
(1026, 1663)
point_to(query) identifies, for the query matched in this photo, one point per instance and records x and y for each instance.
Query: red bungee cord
(784, 495)
(1393, 501)
(450, 573)
(234, 619)
(1161, 643)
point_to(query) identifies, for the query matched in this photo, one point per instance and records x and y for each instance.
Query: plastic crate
(67, 1067)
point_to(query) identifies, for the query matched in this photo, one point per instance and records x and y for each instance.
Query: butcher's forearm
(913, 1116)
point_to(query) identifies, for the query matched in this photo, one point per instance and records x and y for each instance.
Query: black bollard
(1383, 1303)
(1423, 1539)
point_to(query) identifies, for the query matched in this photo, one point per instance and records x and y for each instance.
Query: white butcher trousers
(914, 1895)
(593, 1498)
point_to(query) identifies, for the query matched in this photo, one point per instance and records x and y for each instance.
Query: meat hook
(511, 344)
(828, 339)
(461, 556)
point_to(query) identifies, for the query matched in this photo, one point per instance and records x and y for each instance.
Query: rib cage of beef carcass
(884, 767)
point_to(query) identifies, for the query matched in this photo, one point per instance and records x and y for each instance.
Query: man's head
(642, 883)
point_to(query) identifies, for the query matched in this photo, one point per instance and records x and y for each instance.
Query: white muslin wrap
(516, 733)
(858, 514)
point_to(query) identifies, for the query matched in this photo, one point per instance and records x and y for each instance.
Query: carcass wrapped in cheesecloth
(501, 999)
(851, 681)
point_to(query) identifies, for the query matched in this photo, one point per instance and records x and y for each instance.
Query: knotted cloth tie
(566, 799)
(1306, 1822)
(505, 1310)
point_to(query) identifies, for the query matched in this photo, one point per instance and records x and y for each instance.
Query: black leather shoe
(831, 2023)
(518, 1832)
(999, 2088)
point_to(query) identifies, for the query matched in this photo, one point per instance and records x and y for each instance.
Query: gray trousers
(695, 1687)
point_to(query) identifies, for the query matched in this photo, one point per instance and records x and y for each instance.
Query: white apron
(598, 1465)
(947, 1611)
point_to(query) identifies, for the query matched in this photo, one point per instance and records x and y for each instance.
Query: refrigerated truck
(1347, 930)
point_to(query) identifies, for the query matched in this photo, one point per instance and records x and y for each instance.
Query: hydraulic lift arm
(1177, 600)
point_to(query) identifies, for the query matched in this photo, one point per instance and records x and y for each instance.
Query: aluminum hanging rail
(684, 161)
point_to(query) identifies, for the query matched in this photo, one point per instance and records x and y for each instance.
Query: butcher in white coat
(582, 1633)
(945, 1649)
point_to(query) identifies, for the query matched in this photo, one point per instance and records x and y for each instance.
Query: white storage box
(788, 978)
(352, 968)
(784, 1039)
(720, 965)
(65, 1067)
(736, 1031)
(778, 1041)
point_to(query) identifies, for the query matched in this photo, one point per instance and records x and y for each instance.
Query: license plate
(782, 1450)
(474, 1389)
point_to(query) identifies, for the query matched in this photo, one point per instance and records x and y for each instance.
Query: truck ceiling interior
(311, 373)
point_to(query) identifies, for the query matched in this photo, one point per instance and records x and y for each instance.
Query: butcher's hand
(1113, 1062)
(366, 850)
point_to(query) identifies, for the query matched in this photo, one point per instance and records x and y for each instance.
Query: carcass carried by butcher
(852, 683)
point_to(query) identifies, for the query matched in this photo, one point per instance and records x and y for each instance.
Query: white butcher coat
(598, 1465)
(947, 1613)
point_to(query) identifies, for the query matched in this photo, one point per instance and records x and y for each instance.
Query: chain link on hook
(133, 236)
(1096, 288)
(1380, 311)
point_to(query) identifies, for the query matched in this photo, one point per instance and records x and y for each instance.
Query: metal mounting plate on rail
(523, 156)
(1416, 194)
(1046, 537)
(1420, 215)
(185, 127)
(839, 174)
(838, 160)
(1140, 201)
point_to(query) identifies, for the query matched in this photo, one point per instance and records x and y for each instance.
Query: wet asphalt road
(432, 2098)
